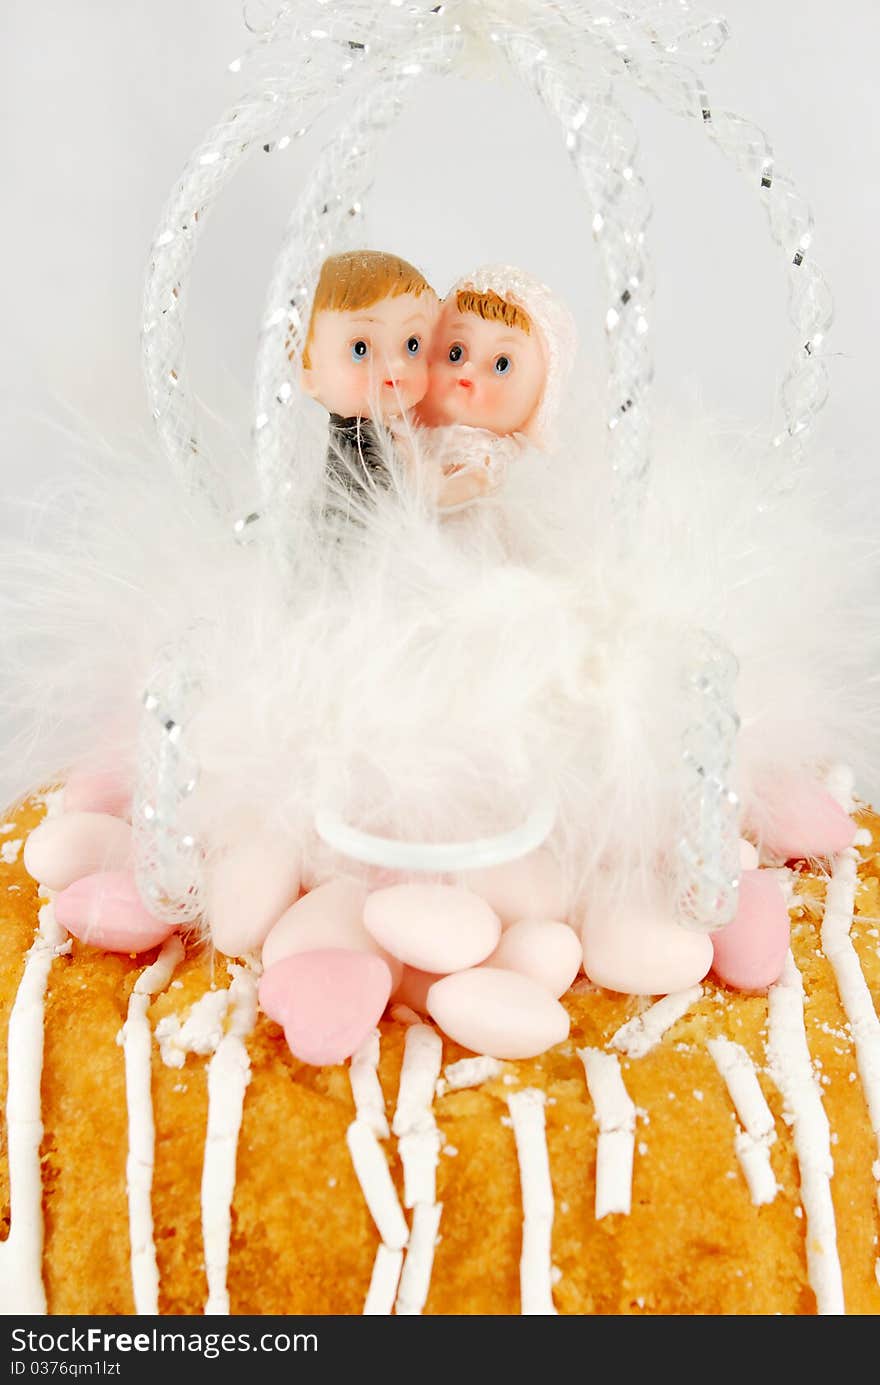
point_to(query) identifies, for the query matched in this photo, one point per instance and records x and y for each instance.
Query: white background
(103, 100)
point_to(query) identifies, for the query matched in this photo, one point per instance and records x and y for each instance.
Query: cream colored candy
(248, 889)
(329, 916)
(550, 953)
(640, 950)
(748, 855)
(432, 927)
(73, 845)
(529, 888)
(500, 1013)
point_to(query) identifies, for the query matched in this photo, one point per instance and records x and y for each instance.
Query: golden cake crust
(302, 1238)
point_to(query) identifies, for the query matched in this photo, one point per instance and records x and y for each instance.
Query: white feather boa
(428, 678)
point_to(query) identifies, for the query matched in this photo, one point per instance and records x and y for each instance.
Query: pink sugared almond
(750, 952)
(497, 1012)
(549, 952)
(330, 915)
(413, 987)
(641, 950)
(97, 792)
(800, 819)
(531, 887)
(67, 848)
(105, 910)
(432, 927)
(248, 889)
(327, 1001)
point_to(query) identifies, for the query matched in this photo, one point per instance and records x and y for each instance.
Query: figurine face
(482, 373)
(373, 360)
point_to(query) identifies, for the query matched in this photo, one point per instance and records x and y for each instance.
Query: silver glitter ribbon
(708, 844)
(571, 54)
(168, 859)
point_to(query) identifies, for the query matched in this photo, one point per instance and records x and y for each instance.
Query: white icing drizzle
(376, 1183)
(639, 1035)
(419, 1143)
(535, 1266)
(471, 1072)
(383, 1283)
(9, 851)
(137, 1043)
(838, 947)
(419, 1153)
(422, 1058)
(758, 1133)
(21, 1254)
(415, 1280)
(616, 1115)
(414, 1124)
(792, 1072)
(229, 1073)
(369, 1099)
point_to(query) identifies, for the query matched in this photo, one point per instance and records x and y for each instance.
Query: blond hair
(359, 279)
(493, 308)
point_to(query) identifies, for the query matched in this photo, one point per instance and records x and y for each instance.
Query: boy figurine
(501, 352)
(366, 358)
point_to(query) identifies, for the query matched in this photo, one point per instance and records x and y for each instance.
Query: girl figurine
(500, 355)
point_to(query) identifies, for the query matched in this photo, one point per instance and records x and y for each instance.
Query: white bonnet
(555, 327)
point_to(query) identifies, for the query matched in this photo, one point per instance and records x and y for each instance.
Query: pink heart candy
(105, 910)
(750, 952)
(800, 819)
(327, 1001)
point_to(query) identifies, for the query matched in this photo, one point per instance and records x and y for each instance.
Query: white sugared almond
(641, 950)
(74, 845)
(329, 916)
(548, 952)
(529, 888)
(748, 855)
(248, 889)
(500, 1013)
(432, 927)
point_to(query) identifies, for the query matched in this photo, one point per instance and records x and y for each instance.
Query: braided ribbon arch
(571, 54)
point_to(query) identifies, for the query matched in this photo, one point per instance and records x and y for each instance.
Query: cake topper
(352, 757)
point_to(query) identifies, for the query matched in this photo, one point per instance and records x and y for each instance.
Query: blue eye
(413, 345)
(359, 350)
(503, 364)
(456, 352)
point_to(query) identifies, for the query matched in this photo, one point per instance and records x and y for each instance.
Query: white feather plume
(428, 677)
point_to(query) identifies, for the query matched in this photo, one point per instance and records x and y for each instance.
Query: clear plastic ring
(437, 856)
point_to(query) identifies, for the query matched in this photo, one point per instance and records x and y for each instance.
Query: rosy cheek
(418, 374)
(359, 377)
(439, 381)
